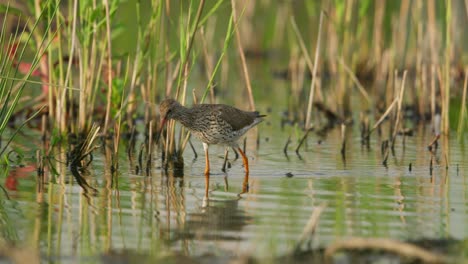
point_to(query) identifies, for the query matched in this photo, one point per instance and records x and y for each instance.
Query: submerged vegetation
(93, 72)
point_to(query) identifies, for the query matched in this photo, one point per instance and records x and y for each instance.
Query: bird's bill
(161, 126)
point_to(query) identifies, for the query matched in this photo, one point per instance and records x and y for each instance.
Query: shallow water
(156, 214)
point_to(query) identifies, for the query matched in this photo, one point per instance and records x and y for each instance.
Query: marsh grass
(11, 86)
(170, 151)
(357, 47)
(85, 79)
(398, 43)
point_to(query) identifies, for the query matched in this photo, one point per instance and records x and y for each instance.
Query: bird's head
(166, 110)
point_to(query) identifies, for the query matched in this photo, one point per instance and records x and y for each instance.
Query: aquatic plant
(12, 56)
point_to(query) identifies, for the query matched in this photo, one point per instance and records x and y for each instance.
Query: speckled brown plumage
(212, 123)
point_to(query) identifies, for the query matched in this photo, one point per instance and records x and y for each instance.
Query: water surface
(156, 214)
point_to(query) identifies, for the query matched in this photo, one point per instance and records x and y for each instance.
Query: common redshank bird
(212, 124)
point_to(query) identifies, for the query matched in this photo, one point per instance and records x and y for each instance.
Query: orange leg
(244, 159)
(207, 184)
(207, 170)
(207, 160)
(245, 184)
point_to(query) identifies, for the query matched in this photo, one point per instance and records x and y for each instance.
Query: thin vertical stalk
(118, 124)
(82, 113)
(183, 69)
(227, 41)
(242, 56)
(61, 110)
(314, 74)
(433, 92)
(432, 29)
(304, 50)
(13, 97)
(377, 35)
(109, 67)
(130, 101)
(190, 44)
(342, 94)
(403, 32)
(39, 39)
(462, 117)
(208, 62)
(447, 54)
(54, 90)
(399, 105)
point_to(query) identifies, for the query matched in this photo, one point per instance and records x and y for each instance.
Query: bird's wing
(238, 119)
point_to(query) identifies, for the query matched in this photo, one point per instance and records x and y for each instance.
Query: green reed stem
(190, 44)
(462, 117)
(8, 108)
(109, 67)
(227, 41)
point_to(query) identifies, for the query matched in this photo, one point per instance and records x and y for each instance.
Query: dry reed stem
(183, 143)
(116, 138)
(83, 94)
(361, 88)
(130, 100)
(447, 55)
(343, 140)
(462, 118)
(39, 163)
(432, 29)
(434, 142)
(44, 128)
(399, 104)
(61, 105)
(314, 73)
(43, 66)
(168, 78)
(423, 91)
(90, 138)
(302, 45)
(187, 136)
(402, 32)
(382, 118)
(109, 67)
(433, 92)
(242, 56)
(150, 141)
(377, 36)
(311, 225)
(466, 6)
(438, 119)
(401, 248)
(185, 71)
